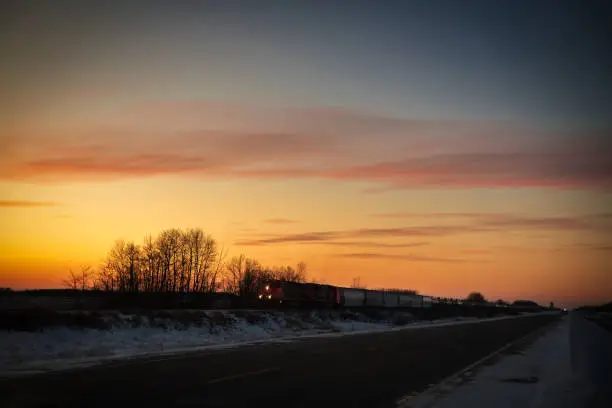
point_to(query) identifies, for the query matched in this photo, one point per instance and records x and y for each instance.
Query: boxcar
(391, 299)
(406, 300)
(374, 298)
(352, 297)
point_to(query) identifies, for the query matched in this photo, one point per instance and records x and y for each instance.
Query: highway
(591, 358)
(370, 370)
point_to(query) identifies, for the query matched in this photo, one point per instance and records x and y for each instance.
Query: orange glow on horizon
(541, 258)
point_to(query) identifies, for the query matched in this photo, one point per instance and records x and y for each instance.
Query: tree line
(189, 260)
(178, 261)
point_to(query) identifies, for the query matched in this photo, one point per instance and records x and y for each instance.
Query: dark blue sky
(540, 62)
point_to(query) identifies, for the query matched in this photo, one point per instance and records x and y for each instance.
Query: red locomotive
(300, 294)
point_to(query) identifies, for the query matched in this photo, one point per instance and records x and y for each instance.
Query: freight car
(311, 294)
(281, 293)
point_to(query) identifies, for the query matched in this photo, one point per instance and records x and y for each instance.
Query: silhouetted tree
(287, 273)
(182, 261)
(356, 284)
(402, 291)
(78, 280)
(300, 272)
(85, 277)
(202, 265)
(476, 297)
(73, 281)
(150, 266)
(243, 275)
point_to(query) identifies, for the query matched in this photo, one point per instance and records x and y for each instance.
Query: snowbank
(82, 338)
(100, 336)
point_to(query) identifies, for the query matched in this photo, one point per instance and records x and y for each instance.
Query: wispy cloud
(303, 239)
(415, 258)
(602, 248)
(334, 236)
(26, 203)
(367, 244)
(435, 215)
(198, 139)
(507, 221)
(588, 247)
(477, 223)
(280, 221)
(307, 237)
(476, 251)
(507, 169)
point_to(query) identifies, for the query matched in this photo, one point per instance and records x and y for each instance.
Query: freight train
(318, 295)
(292, 294)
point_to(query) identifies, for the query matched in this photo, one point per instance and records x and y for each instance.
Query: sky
(435, 145)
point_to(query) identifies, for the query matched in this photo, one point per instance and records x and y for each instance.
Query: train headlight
(267, 287)
(269, 296)
(260, 296)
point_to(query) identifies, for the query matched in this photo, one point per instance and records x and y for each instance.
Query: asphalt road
(371, 370)
(591, 358)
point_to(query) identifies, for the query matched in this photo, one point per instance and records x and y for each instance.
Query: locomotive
(319, 295)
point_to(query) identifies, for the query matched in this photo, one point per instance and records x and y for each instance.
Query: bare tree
(204, 261)
(244, 275)
(169, 242)
(73, 281)
(183, 261)
(105, 279)
(288, 274)
(122, 266)
(85, 278)
(402, 291)
(150, 265)
(301, 271)
(357, 283)
(217, 269)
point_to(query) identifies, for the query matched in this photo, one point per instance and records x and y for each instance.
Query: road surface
(568, 366)
(591, 359)
(371, 370)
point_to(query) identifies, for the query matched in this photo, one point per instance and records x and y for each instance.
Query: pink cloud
(488, 170)
(215, 140)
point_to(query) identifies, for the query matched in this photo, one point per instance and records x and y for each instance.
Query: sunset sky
(442, 146)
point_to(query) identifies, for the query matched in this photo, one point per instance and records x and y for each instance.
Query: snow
(544, 375)
(55, 348)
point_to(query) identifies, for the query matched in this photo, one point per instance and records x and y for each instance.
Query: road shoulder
(535, 372)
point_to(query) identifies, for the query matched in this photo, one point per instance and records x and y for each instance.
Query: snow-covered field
(118, 336)
(544, 375)
(121, 335)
